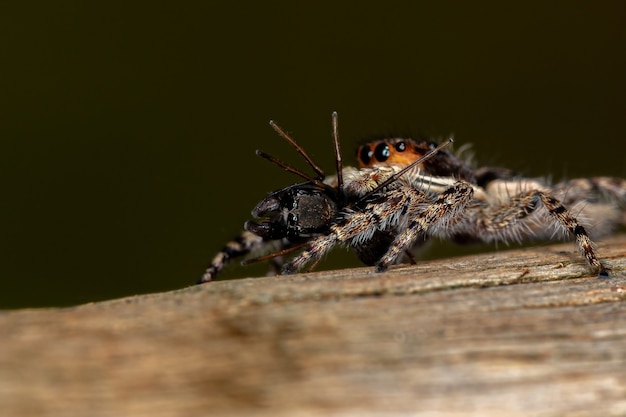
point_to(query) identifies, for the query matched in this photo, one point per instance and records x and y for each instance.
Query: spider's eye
(382, 152)
(365, 155)
(401, 146)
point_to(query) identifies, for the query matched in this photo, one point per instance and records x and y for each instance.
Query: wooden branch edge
(525, 331)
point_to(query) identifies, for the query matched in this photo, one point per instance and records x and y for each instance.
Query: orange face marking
(389, 152)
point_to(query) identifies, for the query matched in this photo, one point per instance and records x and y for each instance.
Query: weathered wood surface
(526, 332)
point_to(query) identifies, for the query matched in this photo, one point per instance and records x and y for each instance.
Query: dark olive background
(128, 130)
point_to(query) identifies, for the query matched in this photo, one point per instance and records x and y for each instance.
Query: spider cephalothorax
(403, 151)
(406, 191)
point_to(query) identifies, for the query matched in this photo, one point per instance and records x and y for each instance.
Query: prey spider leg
(290, 169)
(299, 149)
(285, 251)
(338, 158)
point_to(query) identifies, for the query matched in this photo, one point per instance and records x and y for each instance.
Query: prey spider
(406, 191)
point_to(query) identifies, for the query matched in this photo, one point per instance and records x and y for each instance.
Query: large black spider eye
(365, 156)
(382, 152)
(401, 146)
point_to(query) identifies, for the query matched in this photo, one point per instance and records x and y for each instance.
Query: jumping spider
(405, 191)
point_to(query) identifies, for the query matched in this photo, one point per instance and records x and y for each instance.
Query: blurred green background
(128, 129)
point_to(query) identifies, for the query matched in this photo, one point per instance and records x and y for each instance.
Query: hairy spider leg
(441, 214)
(510, 221)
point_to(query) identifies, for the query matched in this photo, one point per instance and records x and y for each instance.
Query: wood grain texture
(526, 332)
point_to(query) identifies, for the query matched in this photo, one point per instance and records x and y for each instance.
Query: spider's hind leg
(513, 220)
(566, 220)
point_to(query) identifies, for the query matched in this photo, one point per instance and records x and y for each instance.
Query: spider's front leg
(435, 218)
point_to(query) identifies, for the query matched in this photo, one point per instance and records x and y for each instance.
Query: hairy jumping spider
(405, 191)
